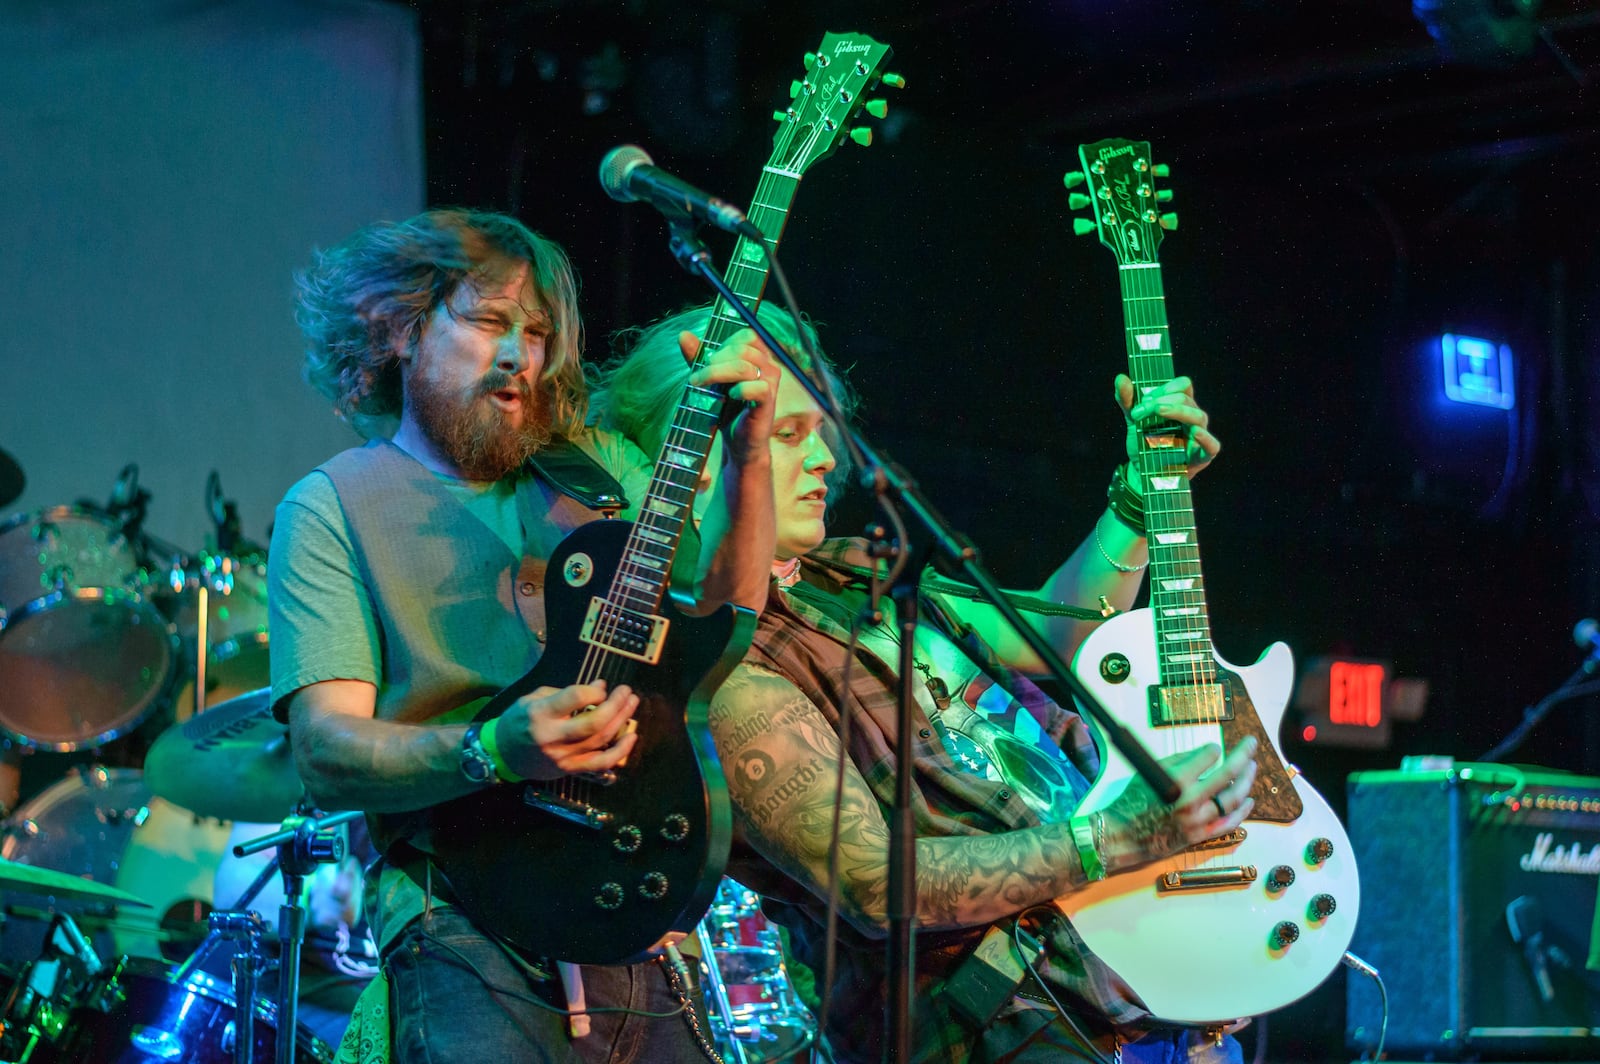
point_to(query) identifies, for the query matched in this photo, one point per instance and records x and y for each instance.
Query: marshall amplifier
(1477, 898)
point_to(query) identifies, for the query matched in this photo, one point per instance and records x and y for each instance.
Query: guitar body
(1204, 954)
(605, 893)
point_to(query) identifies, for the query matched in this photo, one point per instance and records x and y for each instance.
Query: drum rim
(96, 515)
(110, 596)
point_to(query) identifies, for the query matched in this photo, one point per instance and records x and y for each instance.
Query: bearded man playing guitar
(406, 588)
(999, 767)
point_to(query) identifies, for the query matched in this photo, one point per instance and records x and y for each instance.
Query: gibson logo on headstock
(847, 48)
(1546, 856)
(1112, 153)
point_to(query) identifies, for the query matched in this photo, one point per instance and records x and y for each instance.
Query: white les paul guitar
(1252, 921)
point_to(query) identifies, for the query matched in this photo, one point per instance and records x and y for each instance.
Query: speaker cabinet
(1443, 856)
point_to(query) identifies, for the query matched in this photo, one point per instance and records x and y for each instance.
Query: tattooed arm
(781, 757)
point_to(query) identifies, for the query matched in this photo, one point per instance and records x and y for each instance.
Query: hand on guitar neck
(1215, 799)
(1173, 402)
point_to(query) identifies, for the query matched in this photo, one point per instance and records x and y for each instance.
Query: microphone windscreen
(615, 167)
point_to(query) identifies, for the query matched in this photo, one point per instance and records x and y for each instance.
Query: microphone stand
(954, 555)
(302, 845)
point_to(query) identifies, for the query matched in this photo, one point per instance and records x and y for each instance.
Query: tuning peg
(1072, 178)
(1163, 195)
(862, 135)
(1078, 201)
(894, 81)
(877, 108)
(1082, 227)
(1161, 170)
(795, 87)
(1169, 221)
(780, 116)
(810, 60)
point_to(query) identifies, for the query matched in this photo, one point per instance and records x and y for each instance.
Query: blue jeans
(457, 996)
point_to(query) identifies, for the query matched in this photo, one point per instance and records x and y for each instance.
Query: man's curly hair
(368, 297)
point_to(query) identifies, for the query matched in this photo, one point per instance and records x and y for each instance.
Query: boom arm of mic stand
(957, 553)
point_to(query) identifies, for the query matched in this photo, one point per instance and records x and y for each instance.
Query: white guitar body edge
(1203, 956)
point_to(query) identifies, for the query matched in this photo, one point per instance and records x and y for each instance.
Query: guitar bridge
(1200, 703)
(581, 813)
(639, 636)
(1206, 878)
(1226, 840)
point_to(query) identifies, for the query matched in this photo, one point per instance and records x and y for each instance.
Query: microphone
(1525, 920)
(629, 175)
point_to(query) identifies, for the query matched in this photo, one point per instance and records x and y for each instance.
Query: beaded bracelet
(1088, 836)
(1126, 504)
(1118, 566)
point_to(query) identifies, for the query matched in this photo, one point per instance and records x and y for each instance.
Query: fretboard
(1177, 587)
(645, 573)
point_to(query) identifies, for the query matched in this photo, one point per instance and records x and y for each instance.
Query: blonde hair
(637, 391)
(363, 298)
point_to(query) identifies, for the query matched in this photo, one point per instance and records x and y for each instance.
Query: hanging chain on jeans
(678, 979)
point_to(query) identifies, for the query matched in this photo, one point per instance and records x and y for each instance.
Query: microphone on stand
(629, 175)
(129, 503)
(224, 514)
(1525, 919)
(1586, 633)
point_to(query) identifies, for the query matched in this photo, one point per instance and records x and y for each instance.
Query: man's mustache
(500, 381)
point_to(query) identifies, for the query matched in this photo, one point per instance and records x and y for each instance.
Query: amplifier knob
(1318, 850)
(1284, 934)
(1321, 907)
(610, 896)
(1279, 878)
(653, 886)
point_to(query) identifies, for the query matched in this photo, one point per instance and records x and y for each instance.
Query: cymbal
(232, 762)
(63, 886)
(11, 479)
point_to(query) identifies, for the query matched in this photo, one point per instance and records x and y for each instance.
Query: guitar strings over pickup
(1199, 703)
(581, 813)
(622, 631)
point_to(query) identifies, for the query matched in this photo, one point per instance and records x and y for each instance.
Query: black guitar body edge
(605, 893)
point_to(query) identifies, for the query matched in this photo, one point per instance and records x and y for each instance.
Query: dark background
(1349, 186)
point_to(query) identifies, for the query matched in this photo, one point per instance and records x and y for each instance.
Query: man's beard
(475, 434)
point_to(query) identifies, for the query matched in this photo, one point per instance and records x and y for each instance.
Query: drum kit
(107, 876)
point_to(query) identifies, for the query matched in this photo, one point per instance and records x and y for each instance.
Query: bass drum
(755, 1014)
(85, 656)
(140, 1014)
(105, 825)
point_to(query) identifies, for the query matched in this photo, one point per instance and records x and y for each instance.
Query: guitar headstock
(1119, 183)
(839, 79)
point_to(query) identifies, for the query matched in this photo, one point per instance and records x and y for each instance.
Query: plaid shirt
(802, 636)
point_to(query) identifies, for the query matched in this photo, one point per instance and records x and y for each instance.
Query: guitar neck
(1177, 586)
(645, 573)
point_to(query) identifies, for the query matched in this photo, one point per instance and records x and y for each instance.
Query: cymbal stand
(717, 993)
(26, 1016)
(303, 844)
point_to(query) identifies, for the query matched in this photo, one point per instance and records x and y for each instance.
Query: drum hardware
(34, 1011)
(232, 762)
(756, 1016)
(11, 479)
(302, 845)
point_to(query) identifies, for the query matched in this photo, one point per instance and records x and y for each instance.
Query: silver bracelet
(1118, 566)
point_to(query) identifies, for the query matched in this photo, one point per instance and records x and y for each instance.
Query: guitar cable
(1354, 963)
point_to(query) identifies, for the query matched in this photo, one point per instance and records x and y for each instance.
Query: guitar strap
(566, 467)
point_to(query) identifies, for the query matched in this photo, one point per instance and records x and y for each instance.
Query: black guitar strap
(568, 468)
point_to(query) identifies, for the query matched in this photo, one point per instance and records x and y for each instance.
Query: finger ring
(1216, 800)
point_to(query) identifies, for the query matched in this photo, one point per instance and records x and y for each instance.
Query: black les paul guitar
(601, 869)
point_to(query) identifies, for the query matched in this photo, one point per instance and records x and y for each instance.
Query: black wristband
(1125, 504)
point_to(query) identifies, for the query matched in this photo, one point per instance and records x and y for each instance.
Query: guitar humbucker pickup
(633, 635)
(1199, 703)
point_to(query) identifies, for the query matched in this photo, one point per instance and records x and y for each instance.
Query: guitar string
(597, 661)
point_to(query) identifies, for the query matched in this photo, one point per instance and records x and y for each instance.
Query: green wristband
(490, 738)
(1083, 836)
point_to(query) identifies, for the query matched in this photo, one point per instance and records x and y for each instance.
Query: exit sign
(1343, 702)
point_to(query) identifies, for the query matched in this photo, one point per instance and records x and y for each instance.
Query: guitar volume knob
(675, 828)
(653, 886)
(1318, 851)
(1285, 933)
(1321, 907)
(628, 839)
(1279, 879)
(610, 896)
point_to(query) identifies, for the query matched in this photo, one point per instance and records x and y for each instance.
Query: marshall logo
(1548, 857)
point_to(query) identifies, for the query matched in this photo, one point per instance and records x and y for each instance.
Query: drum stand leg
(717, 994)
(35, 989)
